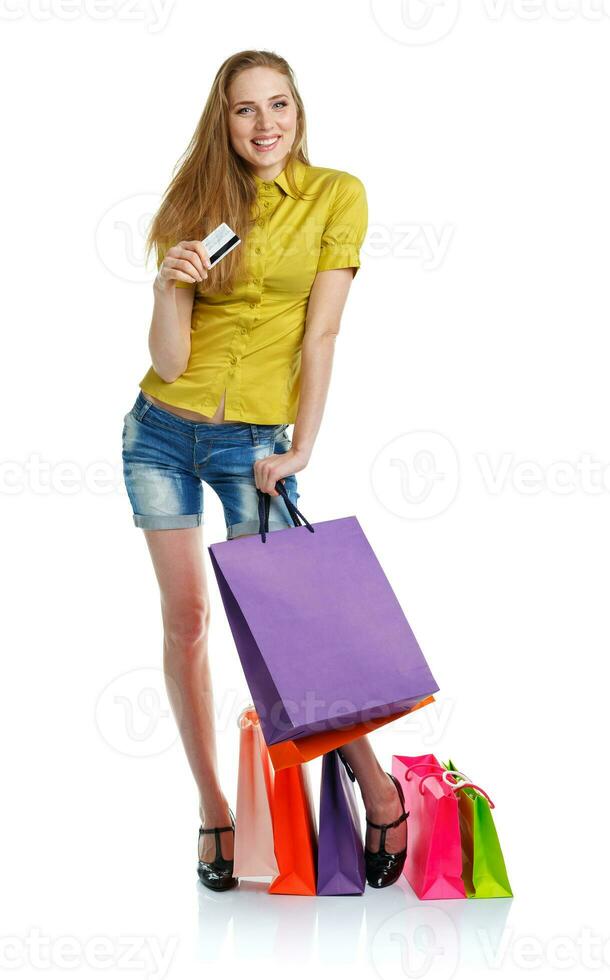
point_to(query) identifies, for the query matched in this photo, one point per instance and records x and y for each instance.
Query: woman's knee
(186, 624)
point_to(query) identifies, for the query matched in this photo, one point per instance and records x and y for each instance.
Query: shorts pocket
(282, 441)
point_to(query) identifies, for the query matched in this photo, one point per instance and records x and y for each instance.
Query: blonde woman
(240, 351)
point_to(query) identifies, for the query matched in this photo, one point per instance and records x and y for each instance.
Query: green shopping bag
(483, 868)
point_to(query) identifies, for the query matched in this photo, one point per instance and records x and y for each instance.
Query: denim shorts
(166, 460)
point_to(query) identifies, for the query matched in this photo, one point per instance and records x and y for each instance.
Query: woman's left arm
(324, 310)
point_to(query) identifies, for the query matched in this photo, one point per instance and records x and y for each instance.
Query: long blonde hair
(212, 183)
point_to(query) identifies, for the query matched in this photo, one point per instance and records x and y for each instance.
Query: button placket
(269, 193)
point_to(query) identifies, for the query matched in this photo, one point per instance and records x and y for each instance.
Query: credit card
(220, 242)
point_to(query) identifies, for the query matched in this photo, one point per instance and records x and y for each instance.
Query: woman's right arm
(169, 337)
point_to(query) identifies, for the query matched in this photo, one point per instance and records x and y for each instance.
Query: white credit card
(219, 243)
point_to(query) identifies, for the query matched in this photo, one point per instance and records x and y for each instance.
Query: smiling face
(262, 119)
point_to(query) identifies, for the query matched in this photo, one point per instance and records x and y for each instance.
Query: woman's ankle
(381, 797)
(215, 812)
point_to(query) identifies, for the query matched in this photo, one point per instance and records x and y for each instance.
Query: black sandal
(217, 874)
(382, 868)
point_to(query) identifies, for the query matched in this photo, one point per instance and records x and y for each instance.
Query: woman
(240, 351)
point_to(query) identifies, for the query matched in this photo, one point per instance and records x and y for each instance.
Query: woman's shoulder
(333, 180)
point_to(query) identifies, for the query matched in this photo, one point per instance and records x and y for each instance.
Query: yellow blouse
(248, 342)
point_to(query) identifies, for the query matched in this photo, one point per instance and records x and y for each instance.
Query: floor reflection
(390, 928)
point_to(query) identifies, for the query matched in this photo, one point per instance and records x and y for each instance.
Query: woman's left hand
(275, 467)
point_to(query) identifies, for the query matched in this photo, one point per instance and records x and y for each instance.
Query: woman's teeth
(267, 143)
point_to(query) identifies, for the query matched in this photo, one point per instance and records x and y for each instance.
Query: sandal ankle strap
(386, 826)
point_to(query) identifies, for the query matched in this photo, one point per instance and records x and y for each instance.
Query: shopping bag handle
(428, 765)
(243, 721)
(264, 506)
(463, 782)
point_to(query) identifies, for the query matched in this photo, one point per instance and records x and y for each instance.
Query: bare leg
(177, 557)
(379, 795)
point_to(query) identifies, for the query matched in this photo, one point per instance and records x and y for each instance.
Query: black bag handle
(264, 506)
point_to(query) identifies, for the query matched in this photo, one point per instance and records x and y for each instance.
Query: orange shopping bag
(295, 833)
(254, 847)
(295, 751)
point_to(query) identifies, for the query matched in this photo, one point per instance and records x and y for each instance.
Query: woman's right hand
(184, 262)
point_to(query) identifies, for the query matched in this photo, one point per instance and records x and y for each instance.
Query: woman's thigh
(158, 470)
(177, 557)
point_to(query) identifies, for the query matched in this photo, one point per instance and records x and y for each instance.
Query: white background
(466, 427)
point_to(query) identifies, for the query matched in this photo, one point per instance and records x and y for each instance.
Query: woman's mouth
(263, 145)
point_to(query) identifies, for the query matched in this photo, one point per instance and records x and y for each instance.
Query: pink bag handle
(428, 765)
(463, 782)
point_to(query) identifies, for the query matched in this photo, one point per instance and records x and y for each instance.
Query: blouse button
(252, 305)
(257, 250)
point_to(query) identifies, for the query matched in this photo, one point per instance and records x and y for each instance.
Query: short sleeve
(162, 249)
(345, 227)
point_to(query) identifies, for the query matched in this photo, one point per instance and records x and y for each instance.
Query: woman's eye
(282, 104)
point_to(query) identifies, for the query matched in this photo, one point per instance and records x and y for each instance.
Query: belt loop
(141, 406)
(254, 432)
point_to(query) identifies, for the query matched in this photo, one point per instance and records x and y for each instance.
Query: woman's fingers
(266, 475)
(189, 258)
(183, 269)
(200, 250)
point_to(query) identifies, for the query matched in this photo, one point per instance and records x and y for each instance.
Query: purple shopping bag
(341, 868)
(321, 636)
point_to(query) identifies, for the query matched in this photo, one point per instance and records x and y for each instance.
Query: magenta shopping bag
(433, 866)
(341, 868)
(321, 636)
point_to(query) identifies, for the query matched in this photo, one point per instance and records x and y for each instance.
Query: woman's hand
(184, 262)
(272, 468)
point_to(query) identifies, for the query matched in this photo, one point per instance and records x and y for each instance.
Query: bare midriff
(185, 413)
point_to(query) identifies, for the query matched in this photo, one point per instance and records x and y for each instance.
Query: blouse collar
(282, 181)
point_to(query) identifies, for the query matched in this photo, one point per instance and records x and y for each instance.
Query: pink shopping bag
(433, 866)
(254, 846)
